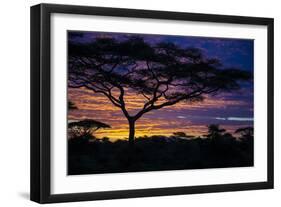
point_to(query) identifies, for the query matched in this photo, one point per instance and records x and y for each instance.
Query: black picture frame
(40, 184)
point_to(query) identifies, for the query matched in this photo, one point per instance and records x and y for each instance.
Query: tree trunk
(132, 131)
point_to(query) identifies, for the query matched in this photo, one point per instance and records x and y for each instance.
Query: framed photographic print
(132, 103)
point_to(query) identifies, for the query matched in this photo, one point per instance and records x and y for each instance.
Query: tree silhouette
(164, 74)
(85, 128)
(214, 131)
(71, 105)
(182, 134)
(245, 132)
(247, 136)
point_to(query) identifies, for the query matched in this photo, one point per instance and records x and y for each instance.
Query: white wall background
(14, 101)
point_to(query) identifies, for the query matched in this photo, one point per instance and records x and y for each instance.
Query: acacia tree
(164, 74)
(85, 128)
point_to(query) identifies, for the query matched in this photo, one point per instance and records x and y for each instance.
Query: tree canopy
(164, 74)
(214, 131)
(85, 127)
(246, 132)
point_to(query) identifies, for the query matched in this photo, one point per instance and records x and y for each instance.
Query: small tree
(214, 131)
(85, 128)
(247, 137)
(246, 132)
(72, 106)
(164, 74)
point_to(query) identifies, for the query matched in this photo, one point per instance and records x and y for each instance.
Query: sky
(230, 110)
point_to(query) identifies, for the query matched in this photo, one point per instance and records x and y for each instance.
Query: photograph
(153, 102)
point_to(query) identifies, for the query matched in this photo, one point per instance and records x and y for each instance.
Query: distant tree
(72, 106)
(214, 131)
(228, 136)
(105, 140)
(247, 137)
(164, 74)
(179, 134)
(85, 128)
(245, 132)
(182, 134)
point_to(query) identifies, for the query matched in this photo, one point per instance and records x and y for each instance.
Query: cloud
(240, 119)
(220, 118)
(181, 117)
